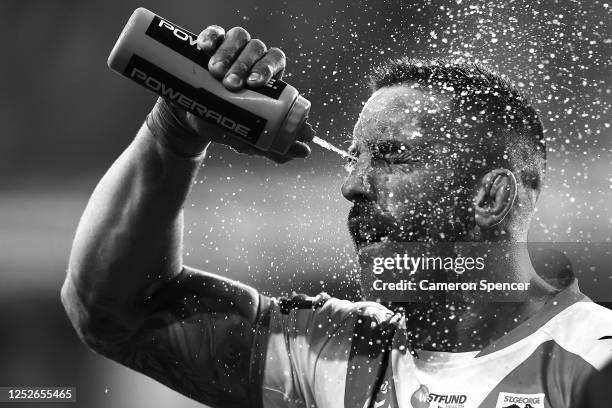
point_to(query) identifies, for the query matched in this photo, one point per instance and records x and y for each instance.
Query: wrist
(166, 124)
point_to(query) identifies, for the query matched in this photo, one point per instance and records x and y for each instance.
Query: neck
(457, 321)
(465, 327)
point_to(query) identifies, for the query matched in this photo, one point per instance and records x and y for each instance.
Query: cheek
(403, 189)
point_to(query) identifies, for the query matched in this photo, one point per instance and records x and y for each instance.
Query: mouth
(365, 233)
(369, 227)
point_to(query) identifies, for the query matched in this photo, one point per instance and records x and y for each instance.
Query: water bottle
(165, 59)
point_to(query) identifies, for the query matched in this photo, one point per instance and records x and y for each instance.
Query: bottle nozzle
(307, 133)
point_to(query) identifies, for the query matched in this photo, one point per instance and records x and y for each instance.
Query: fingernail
(233, 79)
(254, 77)
(218, 65)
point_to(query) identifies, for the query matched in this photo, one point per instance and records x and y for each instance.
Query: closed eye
(402, 157)
(394, 152)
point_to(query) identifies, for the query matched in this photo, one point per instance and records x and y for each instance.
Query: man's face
(408, 178)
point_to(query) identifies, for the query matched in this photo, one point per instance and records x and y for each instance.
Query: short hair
(525, 143)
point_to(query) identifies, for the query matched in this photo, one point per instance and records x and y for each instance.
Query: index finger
(271, 64)
(210, 39)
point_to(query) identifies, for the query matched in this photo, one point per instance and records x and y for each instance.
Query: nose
(357, 187)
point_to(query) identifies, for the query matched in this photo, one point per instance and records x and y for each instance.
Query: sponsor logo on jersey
(423, 398)
(512, 400)
(377, 404)
(420, 397)
(384, 387)
(605, 338)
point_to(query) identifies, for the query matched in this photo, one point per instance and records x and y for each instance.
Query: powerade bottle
(164, 58)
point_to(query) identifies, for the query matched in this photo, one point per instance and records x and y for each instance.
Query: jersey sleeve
(583, 334)
(592, 343)
(291, 334)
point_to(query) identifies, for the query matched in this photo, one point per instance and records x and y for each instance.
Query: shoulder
(304, 335)
(584, 329)
(319, 320)
(324, 310)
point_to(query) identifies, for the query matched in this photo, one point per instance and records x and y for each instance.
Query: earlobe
(495, 198)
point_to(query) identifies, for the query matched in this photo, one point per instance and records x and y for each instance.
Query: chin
(386, 242)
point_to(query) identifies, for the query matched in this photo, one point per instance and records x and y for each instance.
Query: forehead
(401, 112)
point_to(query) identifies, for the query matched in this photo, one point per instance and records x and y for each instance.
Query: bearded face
(406, 179)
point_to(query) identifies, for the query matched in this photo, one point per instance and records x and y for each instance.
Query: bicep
(196, 338)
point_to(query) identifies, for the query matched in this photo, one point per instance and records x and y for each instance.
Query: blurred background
(65, 117)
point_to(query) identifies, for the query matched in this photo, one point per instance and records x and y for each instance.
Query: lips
(363, 236)
(368, 226)
(366, 229)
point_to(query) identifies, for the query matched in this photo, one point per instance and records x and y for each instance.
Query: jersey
(325, 352)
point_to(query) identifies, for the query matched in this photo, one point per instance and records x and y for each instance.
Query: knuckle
(214, 27)
(239, 33)
(258, 45)
(211, 32)
(277, 53)
(209, 39)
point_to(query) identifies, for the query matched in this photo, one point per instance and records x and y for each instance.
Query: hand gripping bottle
(164, 58)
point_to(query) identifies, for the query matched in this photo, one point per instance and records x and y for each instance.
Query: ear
(495, 198)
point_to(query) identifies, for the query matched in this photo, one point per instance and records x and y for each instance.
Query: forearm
(129, 238)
